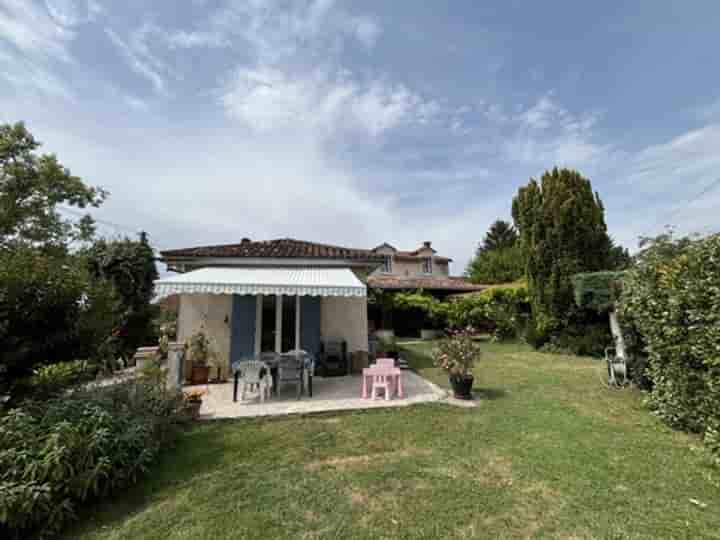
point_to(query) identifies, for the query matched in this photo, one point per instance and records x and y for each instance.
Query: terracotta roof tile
(280, 248)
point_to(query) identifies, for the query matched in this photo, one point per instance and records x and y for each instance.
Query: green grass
(549, 453)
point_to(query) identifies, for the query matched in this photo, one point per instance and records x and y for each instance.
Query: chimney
(427, 244)
(245, 240)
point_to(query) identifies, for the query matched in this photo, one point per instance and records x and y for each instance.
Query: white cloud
(278, 31)
(30, 30)
(182, 39)
(269, 99)
(73, 12)
(691, 157)
(137, 54)
(547, 134)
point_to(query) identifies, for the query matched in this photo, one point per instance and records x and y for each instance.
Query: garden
(550, 449)
(550, 452)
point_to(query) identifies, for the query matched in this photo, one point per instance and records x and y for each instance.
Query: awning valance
(263, 280)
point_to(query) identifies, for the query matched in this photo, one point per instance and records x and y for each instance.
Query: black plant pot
(462, 386)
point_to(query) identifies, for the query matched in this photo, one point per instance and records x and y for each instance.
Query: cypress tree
(562, 232)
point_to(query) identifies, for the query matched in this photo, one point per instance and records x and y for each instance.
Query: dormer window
(387, 264)
(427, 265)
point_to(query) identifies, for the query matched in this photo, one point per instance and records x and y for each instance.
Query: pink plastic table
(371, 371)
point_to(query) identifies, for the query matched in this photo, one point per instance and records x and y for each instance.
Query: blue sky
(361, 122)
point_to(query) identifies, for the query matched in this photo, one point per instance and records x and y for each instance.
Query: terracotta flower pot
(199, 374)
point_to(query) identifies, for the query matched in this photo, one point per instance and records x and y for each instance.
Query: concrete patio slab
(329, 394)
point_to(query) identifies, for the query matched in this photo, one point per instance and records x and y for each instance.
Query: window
(387, 264)
(427, 265)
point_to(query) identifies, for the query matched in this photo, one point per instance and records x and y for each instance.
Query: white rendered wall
(212, 309)
(345, 318)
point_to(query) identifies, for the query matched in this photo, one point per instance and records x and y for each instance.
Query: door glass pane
(267, 340)
(288, 323)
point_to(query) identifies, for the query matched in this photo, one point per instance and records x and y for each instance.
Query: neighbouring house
(270, 296)
(419, 269)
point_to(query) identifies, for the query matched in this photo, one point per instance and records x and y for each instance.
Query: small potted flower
(457, 354)
(193, 402)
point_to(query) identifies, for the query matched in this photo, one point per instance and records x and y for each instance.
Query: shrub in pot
(201, 352)
(456, 354)
(193, 402)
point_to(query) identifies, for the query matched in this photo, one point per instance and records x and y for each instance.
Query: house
(418, 269)
(421, 268)
(270, 296)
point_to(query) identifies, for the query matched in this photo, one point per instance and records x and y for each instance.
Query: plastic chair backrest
(385, 362)
(253, 370)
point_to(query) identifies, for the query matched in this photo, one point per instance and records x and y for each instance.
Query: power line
(707, 189)
(107, 223)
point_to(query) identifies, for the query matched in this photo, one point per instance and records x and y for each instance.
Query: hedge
(672, 298)
(502, 310)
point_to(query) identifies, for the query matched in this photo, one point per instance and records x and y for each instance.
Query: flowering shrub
(457, 353)
(193, 396)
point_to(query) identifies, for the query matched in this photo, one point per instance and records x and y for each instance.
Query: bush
(589, 339)
(54, 379)
(53, 311)
(433, 309)
(497, 266)
(502, 310)
(57, 454)
(672, 299)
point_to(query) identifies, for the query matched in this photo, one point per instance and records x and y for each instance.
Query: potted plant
(193, 402)
(199, 349)
(456, 354)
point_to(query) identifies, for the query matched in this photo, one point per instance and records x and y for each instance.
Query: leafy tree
(129, 265)
(52, 311)
(502, 265)
(31, 188)
(501, 235)
(58, 303)
(620, 258)
(562, 232)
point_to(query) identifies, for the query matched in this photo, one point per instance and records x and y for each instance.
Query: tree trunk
(617, 335)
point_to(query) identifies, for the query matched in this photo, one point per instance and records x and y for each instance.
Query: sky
(357, 123)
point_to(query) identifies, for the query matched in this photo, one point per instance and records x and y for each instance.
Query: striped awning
(263, 280)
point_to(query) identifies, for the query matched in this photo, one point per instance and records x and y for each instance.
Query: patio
(329, 394)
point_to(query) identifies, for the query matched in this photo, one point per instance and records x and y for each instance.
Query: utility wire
(104, 222)
(707, 189)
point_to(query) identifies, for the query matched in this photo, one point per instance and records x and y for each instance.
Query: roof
(281, 248)
(253, 281)
(388, 281)
(413, 255)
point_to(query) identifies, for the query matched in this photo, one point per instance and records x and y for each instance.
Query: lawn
(549, 453)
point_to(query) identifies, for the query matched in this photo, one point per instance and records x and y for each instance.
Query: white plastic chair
(256, 374)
